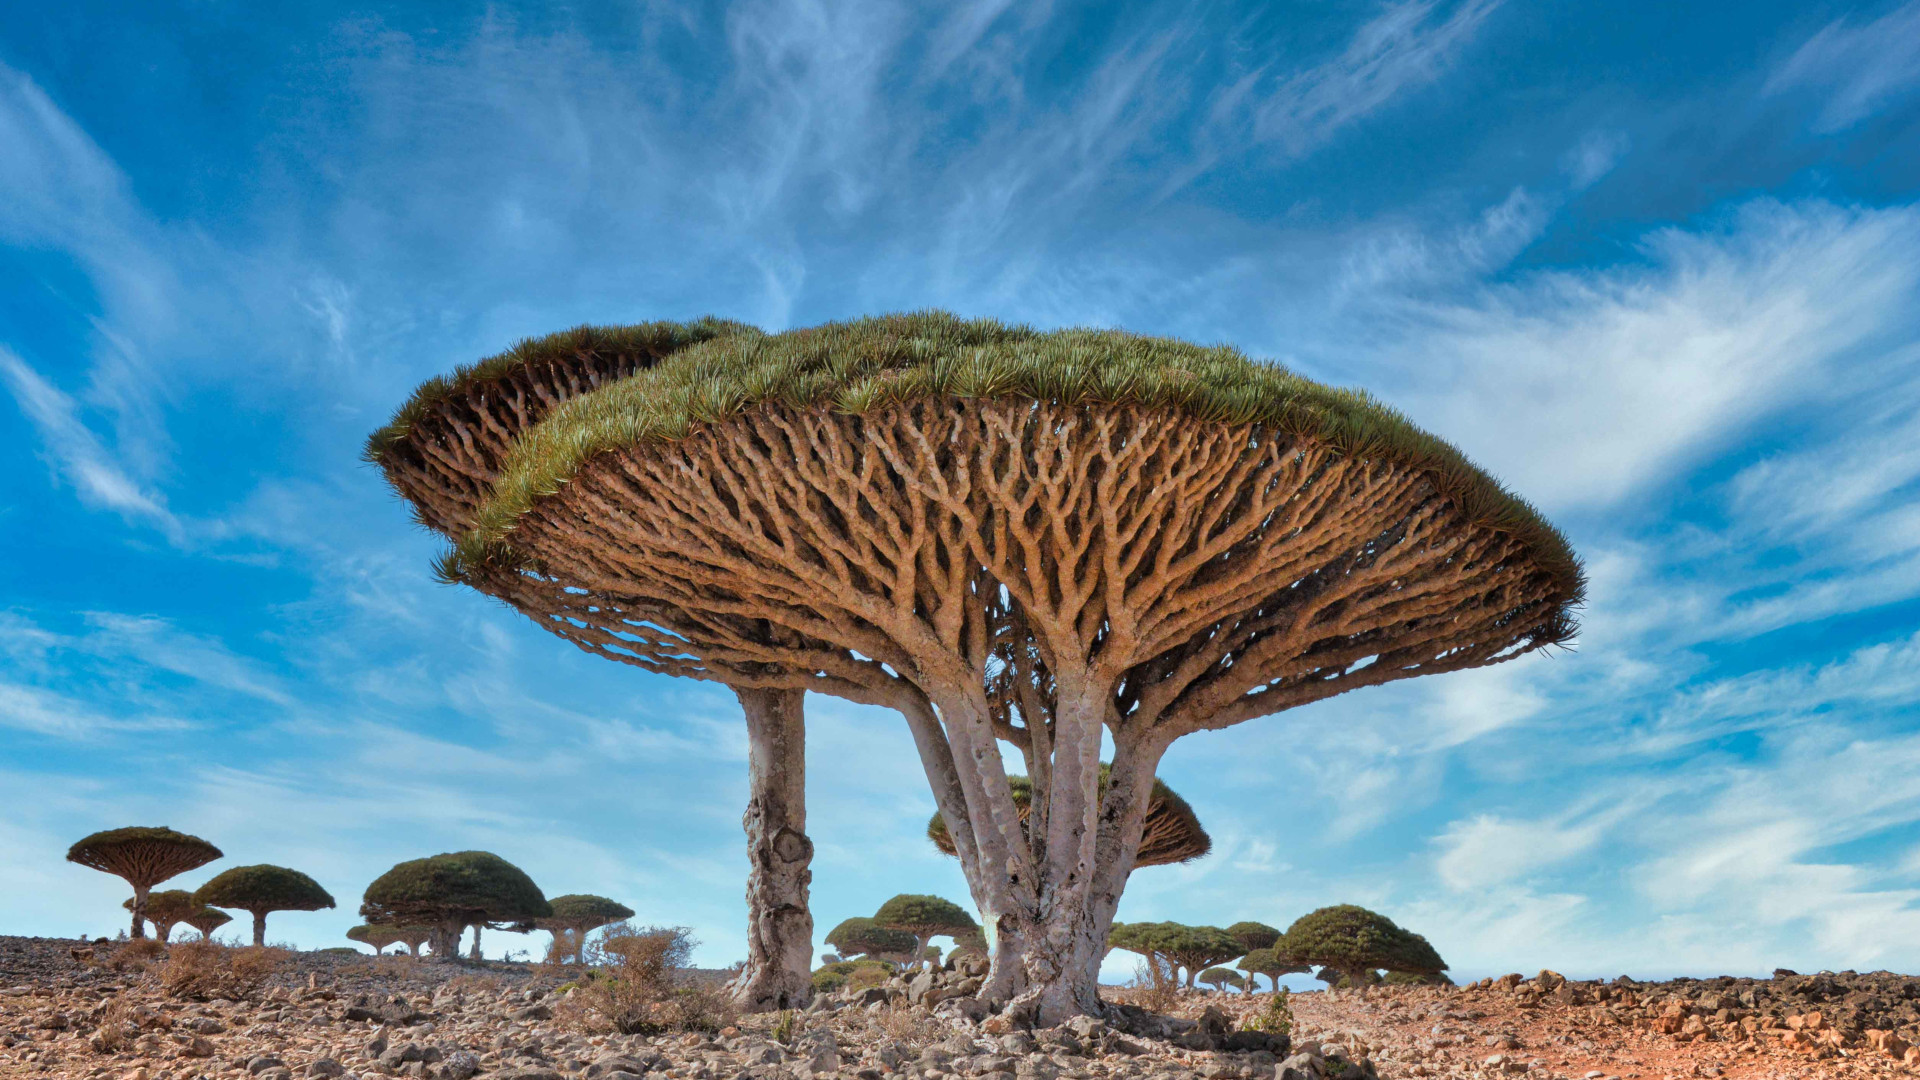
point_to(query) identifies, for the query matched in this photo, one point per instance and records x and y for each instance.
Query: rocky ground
(336, 1015)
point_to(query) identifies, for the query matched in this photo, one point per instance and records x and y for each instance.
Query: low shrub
(136, 954)
(643, 987)
(859, 974)
(1155, 985)
(1277, 1018)
(204, 970)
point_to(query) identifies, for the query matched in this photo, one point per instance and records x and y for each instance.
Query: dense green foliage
(1189, 947)
(166, 909)
(1416, 978)
(831, 977)
(207, 920)
(264, 887)
(585, 910)
(377, 936)
(1218, 977)
(1254, 935)
(110, 850)
(924, 916)
(861, 936)
(869, 363)
(456, 889)
(1175, 834)
(1350, 942)
(647, 340)
(1272, 963)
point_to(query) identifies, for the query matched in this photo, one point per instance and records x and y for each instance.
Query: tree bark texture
(259, 928)
(139, 911)
(1027, 572)
(778, 974)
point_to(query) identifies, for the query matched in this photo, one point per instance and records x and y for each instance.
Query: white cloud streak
(1859, 68)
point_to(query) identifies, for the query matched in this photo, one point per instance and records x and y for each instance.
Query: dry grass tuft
(137, 954)
(204, 970)
(641, 986)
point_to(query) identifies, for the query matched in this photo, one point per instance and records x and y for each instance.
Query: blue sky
(1657, 266)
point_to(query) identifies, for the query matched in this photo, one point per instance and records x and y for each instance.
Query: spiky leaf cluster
(859, 366)
(264, 887)
(462, 887)
(1350, 939)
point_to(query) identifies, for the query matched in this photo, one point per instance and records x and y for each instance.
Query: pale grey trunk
(259, 928)
(140, 911)
(779, 967)
(476, 941)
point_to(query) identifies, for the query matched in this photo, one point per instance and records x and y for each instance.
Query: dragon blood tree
(1171, 833)
(1254, 935)
(207, 920)
(260, 889)
(1004, 534)
(1351, 945)
(1272, 963)
(166, 909)
(378, 937)
(861, 936)
(925, 917)
(145, 857)
(580, 914)
(451, 892)
(443, 452)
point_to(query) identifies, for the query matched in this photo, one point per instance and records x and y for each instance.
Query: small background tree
(166, 909)
(1254, 935)
(452, 891)
(263, 888)
(1198, 947)
(579, 914)
(1271, 963)
(207, 920)
(924, 917)
(1171, 834)
(378, 937)
(144, 857)
(1351, 945)
(1217, 977)
(861, 936)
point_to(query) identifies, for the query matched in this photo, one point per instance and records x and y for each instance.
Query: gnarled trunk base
(779, 971)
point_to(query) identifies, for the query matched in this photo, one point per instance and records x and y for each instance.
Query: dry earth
(332, 1015)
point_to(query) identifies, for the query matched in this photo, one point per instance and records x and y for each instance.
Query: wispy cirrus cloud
(77, 455)
(1859, 68)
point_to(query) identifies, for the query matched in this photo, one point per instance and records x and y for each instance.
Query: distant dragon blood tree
(1352, 945)
(924, 917)
(443, 452)
(377, 937)
(166, 909)
(579, 914)
(861, 936)
(1171, 833)
(262, 889)
(1043, 538)
(144, 857)
(207, 920)
(451, 892)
